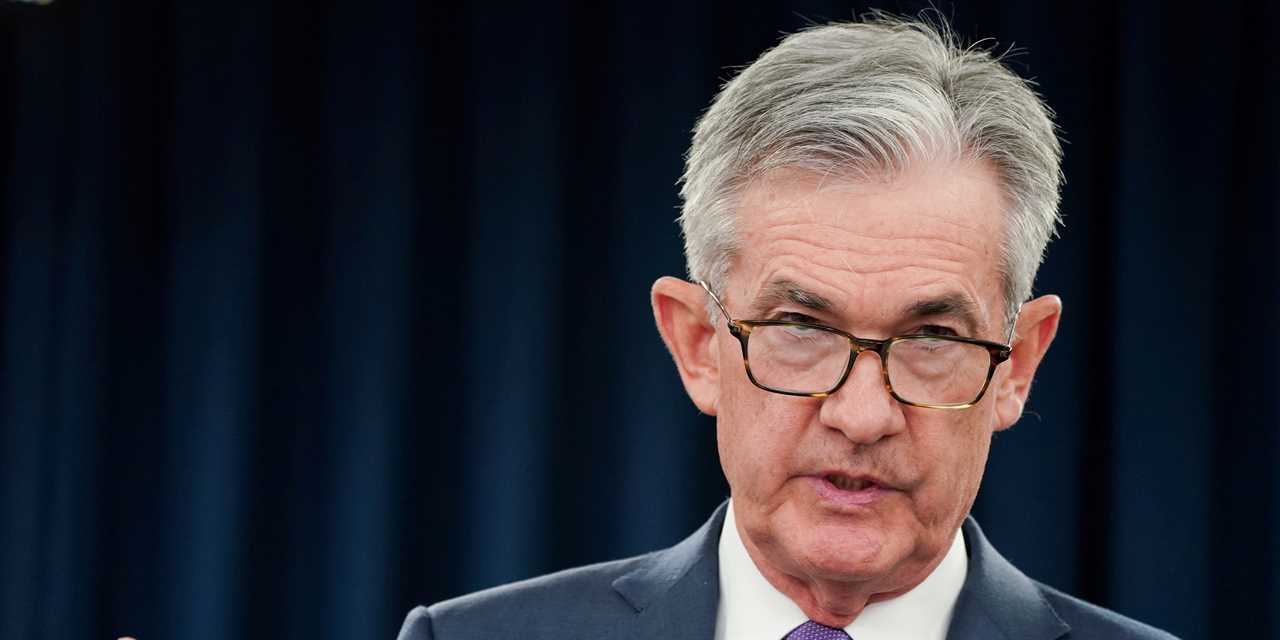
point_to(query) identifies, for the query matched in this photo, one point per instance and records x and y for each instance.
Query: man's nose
(862, 408)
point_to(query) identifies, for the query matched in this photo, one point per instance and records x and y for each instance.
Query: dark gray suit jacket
(673, 593)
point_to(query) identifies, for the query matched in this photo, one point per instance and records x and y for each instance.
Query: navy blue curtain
(313, 311)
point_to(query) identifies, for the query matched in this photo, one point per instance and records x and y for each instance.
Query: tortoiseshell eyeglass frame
(741, 329)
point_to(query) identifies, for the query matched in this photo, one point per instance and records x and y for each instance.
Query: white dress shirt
(751, 609)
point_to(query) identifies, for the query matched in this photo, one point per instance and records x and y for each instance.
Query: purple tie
(814, 631)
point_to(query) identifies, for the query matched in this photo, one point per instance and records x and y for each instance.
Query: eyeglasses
(814, 360)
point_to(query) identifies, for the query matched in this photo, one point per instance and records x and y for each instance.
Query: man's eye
(935, 330)
(788, 316)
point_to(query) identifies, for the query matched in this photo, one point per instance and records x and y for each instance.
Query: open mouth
(845, 483)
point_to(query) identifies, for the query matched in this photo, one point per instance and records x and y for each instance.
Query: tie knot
(813, 631)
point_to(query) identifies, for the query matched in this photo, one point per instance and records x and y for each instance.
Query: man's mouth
(841, 491)
(845, 483)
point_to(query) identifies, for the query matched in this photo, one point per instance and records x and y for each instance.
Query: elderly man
(865, 208)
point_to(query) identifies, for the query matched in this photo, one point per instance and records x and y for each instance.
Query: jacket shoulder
(565, 604)
(999, 600)
(1091, 621)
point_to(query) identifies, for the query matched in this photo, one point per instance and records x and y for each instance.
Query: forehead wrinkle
(876, 232)
(852, 203)
(865, 243)
(887, 219)
(961, 219)
(872, 248)
(803, 254)
(965, 222)
(874, 258)
(897, 223)
(938, 263)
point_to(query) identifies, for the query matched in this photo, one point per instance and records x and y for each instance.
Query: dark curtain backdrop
(310, 312)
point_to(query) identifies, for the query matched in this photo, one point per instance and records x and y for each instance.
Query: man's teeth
(848, 484)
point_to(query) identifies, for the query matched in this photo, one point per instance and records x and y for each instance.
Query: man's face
(874, 251)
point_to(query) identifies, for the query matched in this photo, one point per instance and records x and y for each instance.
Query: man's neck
(835, 603)
(923, 607)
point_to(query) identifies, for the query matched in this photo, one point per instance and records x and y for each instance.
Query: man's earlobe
(1036, 328)
(680, 311)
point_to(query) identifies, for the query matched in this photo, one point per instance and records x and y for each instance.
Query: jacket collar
(998, 600)
(675, 591)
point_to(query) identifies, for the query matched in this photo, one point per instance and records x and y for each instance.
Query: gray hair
(862, 99)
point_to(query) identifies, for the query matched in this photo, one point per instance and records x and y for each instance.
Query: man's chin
(848, 555)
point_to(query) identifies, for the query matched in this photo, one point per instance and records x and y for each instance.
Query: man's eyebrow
(779, 292)
(955, 305)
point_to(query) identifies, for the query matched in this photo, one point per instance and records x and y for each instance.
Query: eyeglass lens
(921, 370)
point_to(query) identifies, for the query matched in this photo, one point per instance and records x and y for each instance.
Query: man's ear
(1037, 325)
(680, 310)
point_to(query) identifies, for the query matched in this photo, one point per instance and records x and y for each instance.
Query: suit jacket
(674, 593)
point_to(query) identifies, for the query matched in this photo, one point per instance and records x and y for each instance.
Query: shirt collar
(751, 609)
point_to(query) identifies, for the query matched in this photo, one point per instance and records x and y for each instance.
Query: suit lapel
(675, 591)
(997, 600)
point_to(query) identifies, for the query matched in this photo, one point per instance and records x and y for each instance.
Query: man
(865, 208)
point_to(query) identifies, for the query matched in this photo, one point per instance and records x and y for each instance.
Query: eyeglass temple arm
(1013, 326)
(719, 305)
